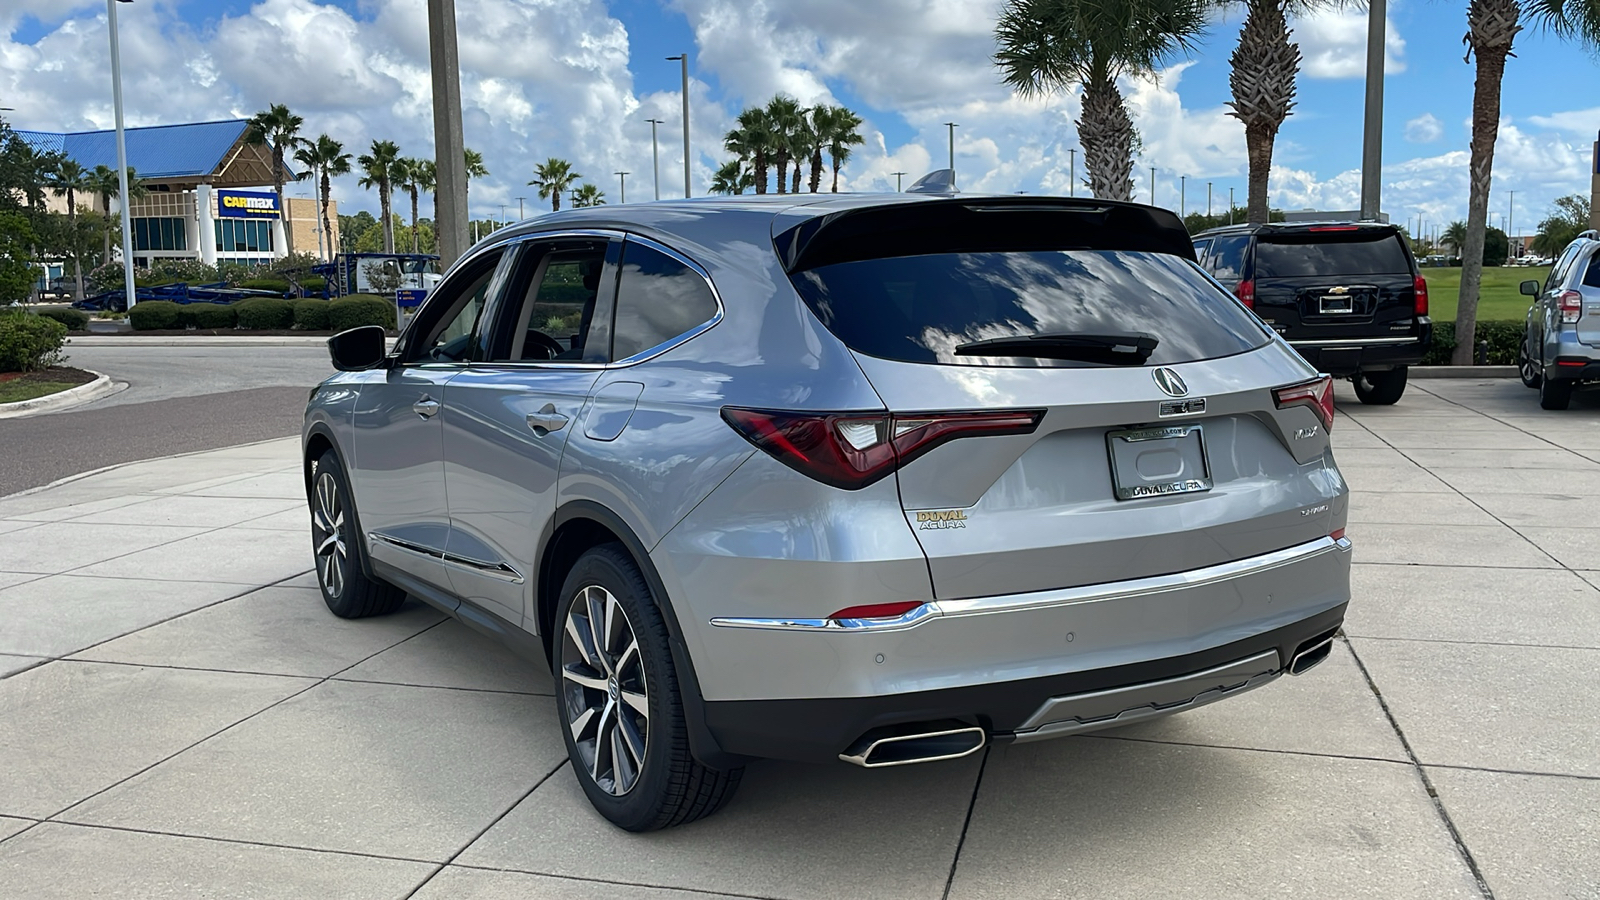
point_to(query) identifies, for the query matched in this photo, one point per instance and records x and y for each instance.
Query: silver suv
(1561, 336)
(877, 479)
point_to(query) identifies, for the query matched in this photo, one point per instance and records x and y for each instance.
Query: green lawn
(1498, 300)
(23, 389)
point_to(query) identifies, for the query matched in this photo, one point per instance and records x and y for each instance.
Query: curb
(68, 479)
(118, 340)
(100, 387)
(1464, 372)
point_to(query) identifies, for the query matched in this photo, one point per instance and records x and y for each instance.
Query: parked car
(1561, 334)
(1347, 295)
(62, 287)
(874, 479)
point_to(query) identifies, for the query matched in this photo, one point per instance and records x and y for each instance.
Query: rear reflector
(1420, 289)
(1572, 362)
(1337, 534)
(877, 610)
(1334, 228)
(1315, 395)
(1246, 292)
(852, 450)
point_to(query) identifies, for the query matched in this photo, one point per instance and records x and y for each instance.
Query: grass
(23, 389)
(1498, 299)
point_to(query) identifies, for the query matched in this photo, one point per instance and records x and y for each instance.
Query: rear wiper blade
(1127, 348)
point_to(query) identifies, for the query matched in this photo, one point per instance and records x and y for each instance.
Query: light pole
(1230, 206)
(1208, 203)
(655, 155)
(622, 192)
(122, 153)
(684, 58)
(502, 222)
(449, 144)
(1372, 132)
(952, 127)
(1183, 196)
(1072, 172)
(520, 215)
(897, 182)
(1152, 185)
(1511, 218)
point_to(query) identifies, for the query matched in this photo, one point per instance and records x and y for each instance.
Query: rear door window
(1312, 254)
(658, 299)
(922, 308)
(1226, 260)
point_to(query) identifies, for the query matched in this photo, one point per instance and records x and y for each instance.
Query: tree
(732, 177)
(1049, 45)
(351, 228)
(1455, 234)
(378, 167)
(103, 182)
(1492, 27)
(428, 181)
(1264, 66)
(588, 195)
(17, 271)
(475, 169)
(806, 144)
(411, 177)
(325, 157)
(1568, 218)
(279, 129)
(751, 141)
(68, 178)
(841, 131)
(783, 116)
(554, 176)
(1496, 247)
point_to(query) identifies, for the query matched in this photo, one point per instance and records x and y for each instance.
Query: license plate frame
(1336, 304)
(1124, 448)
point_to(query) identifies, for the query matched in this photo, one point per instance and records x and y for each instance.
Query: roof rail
(1591, 234)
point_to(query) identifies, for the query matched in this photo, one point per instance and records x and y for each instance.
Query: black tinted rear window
(920, 308)
(1329, 253)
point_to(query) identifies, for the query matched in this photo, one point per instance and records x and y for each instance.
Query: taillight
(852, 450)
(1246, 292)
(1316, 395)
(1420, 290)
(1571, 307)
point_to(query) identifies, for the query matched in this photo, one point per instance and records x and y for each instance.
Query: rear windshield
(921, 308)
(1311, 254)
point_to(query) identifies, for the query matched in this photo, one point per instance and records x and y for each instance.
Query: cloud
(1424, 129)
(1581, 121)
(1333, 44)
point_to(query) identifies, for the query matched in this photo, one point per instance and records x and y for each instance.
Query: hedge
(29, 342)
(210, 315)
(75, 320)
(155, 315)
(276, 285)
(360, 309)
(265, 313)
(1504, 339)
(311, 314)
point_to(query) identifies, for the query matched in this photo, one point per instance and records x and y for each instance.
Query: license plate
(1157, 462)
(1333, 304)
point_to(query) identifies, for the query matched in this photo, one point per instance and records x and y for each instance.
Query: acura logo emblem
(1169, 382)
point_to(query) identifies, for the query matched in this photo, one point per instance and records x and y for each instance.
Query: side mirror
(1530, 288)
(358, 349)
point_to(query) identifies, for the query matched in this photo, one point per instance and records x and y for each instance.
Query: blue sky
(576, 78)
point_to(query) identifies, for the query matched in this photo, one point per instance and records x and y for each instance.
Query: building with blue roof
(199, 206)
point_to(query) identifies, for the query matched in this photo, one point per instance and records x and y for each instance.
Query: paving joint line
(1374, 637)
(972, 804)
(228, 840)
(709, 892)
(1277, 750)
(442, 687)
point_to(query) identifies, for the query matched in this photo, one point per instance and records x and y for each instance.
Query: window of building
(159, 234)
(244, 236)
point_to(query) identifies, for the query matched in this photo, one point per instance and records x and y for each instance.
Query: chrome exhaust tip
(1311, 652)
(918, 743)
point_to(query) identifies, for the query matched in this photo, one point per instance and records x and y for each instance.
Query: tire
(1527, 370)
(347, 590)
(626, 695)
(1555, 393)
(1380, 388)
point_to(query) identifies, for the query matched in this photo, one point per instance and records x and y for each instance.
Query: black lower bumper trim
(819, 730)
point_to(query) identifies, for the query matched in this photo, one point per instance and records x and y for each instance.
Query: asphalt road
(178, 400)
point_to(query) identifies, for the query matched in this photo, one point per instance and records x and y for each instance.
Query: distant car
(1561, 335)
(1348, 296)
(59, 288)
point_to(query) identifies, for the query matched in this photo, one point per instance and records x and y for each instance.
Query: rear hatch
(1158, 443)
(1330, 282)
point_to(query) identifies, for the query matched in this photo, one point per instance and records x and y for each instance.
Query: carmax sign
(247, 205)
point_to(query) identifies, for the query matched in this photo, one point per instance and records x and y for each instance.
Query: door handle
(546, 420)
(427, 407)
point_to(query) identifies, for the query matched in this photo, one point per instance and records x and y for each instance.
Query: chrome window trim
(1093, 593)
(1354, 342)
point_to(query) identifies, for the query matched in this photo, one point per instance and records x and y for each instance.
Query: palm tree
(1048, 45)
(1455, 234)
(554, 176)
(475, 169)
(279, 129)
(1492, 26)
(378, 167)
(326, 157)
(842, 131)
(806, 144)
(103, 182)
(68, 178)
(751, 141)
(588, 195)
(410, 177)
(1264, 68)
(732, 177)
(784, 116)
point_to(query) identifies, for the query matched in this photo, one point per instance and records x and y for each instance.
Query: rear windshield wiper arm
(1128, 348)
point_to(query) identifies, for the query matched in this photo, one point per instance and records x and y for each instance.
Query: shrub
(29, 342)
(360, 309)
(263, 313)
(212, 315)
(155, 315)
(311, 314)
(276, 285)
(316, 284)
(1504, 338)
(75, 320)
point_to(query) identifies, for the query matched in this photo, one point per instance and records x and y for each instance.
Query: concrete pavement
(183, 718)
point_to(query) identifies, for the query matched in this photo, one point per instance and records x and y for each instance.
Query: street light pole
(122, 154)
(1208, 203)
(1072, 172)
(1183, 196)
(520, 214)
(1230, 206)
(897, 181)
(1372, 133)
(1152, 185)
(1511, 219)
(655, 155)
(952, 127)
(449, 144)
(622, 192)
(684, 58)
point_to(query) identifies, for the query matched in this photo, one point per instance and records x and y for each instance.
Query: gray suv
(877, 479)
(1561, 336)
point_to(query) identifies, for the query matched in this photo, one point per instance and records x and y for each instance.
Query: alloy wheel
(1529, 373)
(327, 535)
(603, 684)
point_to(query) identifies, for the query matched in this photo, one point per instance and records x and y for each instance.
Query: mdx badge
(1169, 382)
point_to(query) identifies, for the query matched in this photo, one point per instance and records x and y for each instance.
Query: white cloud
(1333, 44)
(1424, 129)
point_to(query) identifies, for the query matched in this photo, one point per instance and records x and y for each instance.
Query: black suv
(1348, 296)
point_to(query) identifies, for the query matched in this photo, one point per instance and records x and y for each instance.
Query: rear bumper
(1351, 355)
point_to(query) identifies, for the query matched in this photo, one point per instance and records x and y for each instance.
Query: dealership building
(210, 194)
